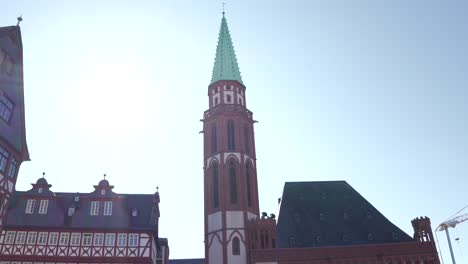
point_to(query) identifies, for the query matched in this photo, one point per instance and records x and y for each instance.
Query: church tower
(230, 177)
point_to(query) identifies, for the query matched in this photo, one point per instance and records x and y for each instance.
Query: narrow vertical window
(87, 238)
(30, 206)
(53, 238)
(94, 208)
(98, 239)
(10, 237)
(110, 239)
(43, 206)
(233, 182)
(230, 132)
(12, 169)
(64, 239)
(215, 185)
(248, 183)
(75, 239)
(133, 240)
(235, 246)
(3, 158)
(122, 240)
(108, 208)
(42, 239)
(31, 238)
(214, 146)
(246, 139)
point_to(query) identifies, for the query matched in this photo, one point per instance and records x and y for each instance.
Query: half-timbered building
(101, 226)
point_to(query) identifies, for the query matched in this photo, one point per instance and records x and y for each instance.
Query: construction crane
(452, 222)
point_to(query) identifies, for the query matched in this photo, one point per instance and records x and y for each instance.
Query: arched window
(246, 139)
(230, 134)
(214, 145)
(249, 191)
(215, 185)
(235, 246)
(233, 182)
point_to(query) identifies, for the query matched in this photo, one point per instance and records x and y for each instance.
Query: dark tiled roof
(147, 211)
(317, 214)
(187, 261)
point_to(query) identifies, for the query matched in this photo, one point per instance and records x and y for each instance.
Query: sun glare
(111, 100)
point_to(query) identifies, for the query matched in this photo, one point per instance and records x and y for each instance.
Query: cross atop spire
(225, 66)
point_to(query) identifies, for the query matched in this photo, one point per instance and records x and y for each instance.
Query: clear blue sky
(371, 92)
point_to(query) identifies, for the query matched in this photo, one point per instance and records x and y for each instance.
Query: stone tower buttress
(230, 177)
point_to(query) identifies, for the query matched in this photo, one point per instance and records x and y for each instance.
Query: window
(94, 208)
(246, 139)
(42, 238)
(228, 98)
(53, 238)
(103, 192)
(6, 108)
(98, 239)
(110, 239)
(10, 237)
(122, 240)
(108, 208)
(133, 240)
(77, 198)
(30, 206)
(215, 185)
(134, 212)
(64, 239)
(31, 238)
(75, 239)
(249, 191)
(230, 130)
(43, 206)
(235, 246)
(233, 182)
(370, 236)
(39, 190)
(87, 239)
(3, 158)
(214, 143)
(12, 169)
(292, 241)
(20, 237)
(216, 102)
(71, 211)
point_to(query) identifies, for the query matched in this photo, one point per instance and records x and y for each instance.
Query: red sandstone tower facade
(230, 178)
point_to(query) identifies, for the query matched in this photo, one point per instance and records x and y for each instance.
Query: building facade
(13, 148)
(96, 227)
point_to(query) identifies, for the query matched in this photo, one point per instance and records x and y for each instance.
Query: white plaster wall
(234, 219)
(236, 259)
(215, 251)
(214, 221)
(251, 216)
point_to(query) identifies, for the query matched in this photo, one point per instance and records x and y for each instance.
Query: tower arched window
(230, 134)
(248, 183)
(214, 146)
(215, 185)
(235, 246)
(246, 140)
(233, 182)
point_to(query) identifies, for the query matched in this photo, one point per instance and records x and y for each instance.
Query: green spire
(225, 67)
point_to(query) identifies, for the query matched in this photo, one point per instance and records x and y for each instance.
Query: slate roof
(146, 206)
(331, 213)
(187, 261)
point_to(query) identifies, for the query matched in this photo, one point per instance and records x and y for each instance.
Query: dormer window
(30, 206)
(103, 192)
(134, 212)
(39, 190)
(71, 211)
(44, 204)
(108, 208)
(94, 208)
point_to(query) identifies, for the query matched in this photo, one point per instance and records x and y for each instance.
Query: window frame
(94, 208)
(108, 208)
(43, 206)
(30, 206)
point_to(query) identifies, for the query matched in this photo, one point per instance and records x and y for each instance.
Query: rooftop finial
(20, 18)
(104, 176)
(157, 188)
(43, 175)
(223, 7)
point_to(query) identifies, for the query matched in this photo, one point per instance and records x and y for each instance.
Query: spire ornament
(20, 18)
